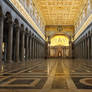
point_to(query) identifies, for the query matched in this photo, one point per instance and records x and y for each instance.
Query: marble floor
(51, 75)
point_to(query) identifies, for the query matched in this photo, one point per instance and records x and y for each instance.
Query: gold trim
(84, 26)
(21, 9)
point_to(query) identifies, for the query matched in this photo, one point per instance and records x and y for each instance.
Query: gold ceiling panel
(60, 12)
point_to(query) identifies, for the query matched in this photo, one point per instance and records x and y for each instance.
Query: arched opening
(59, 40)
(59, 46)
(7, 21)
(60, 54)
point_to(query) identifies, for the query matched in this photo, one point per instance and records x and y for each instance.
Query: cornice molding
(84, 26)
(24, 13)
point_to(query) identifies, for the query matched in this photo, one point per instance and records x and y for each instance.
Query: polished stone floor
(52, 75)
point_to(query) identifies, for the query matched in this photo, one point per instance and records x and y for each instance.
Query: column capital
(9, 21)
(89, 34)
(1, 17)
(32, 35)
(35, 37)
(17, 27)
(22, 30)
(27, 34)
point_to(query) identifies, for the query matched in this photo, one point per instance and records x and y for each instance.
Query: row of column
(83, 49)
(38, 49)
(19, 44)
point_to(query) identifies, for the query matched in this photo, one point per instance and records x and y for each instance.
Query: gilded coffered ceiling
(60, 12)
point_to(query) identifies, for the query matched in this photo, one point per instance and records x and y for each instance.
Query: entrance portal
(60, 54)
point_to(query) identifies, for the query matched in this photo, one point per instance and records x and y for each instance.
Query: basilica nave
(46, 45)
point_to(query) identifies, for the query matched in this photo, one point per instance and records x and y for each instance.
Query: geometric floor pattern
(52, 75)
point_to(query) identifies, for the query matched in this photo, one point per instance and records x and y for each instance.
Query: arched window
(59, 40)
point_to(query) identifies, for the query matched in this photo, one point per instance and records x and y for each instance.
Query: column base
(17, 60)
(9, 61)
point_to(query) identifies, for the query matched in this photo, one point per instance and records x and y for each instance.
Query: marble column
(1, 36)
(88, 47)
(30, 48)
(85, 48)
(80, 51)
(33, 48)
(82, 48)
(22, 52)
(17, 43)
(46, 50)
(77, 51)
(10, 40)
(40, 50)
(36, 48)
(91, 44)
(26, 49)
(43, 52)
